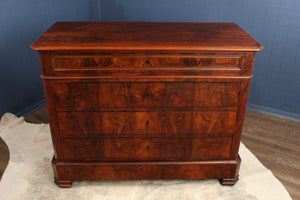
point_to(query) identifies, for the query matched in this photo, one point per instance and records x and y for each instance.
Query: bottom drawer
(146, 149)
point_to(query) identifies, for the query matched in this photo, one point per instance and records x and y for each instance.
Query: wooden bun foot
(63, 184)
(228, 181)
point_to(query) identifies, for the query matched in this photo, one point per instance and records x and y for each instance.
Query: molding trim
(31, 108)
(272, 111)
(250, 106)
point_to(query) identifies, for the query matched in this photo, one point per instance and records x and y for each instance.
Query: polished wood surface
(146, 149)
(146, 64)
(124, 99)
(150, 96)
(274, 140)
(89, 62)
(143, 124)
(145, 36)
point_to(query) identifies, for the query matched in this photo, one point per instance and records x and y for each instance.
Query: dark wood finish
(151, 123)
(218, 63)
(63, 63)
(229, 181)
(145, 95)
(146, 149)
(149, 100)
(149, 64)
(151, 170)
(145, 36)
(274, 140)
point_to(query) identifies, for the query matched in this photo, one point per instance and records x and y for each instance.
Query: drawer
(146, 149)
(140, 124)
(148, 64)
(123, 62)
(132, 96)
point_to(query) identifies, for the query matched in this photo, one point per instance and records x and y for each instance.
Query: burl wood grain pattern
(146, 100)
(262, 134)
(132, 96)
(146, 149)
(151, 123)
(105, 62)
(147, 63)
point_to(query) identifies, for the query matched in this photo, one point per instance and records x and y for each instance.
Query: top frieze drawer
(147, 64)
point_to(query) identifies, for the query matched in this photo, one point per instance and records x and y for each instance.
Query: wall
(274, 23)
(22, 22)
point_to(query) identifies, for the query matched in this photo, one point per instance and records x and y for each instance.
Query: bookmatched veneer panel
(146, 149)
(141, 64)
(131, 124)
(130, 95)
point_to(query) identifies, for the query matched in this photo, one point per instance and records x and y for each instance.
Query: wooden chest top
(146, 36)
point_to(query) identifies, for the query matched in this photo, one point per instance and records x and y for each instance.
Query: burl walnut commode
(140, 100)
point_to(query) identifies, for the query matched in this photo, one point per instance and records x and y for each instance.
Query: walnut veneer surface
(279, 154)
(137, 100)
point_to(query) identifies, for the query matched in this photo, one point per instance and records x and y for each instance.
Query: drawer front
(140, 124)
(146, 149)
(152, 64)
(132, 96)
(103, 62)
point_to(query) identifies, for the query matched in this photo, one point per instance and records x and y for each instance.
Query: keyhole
(147, 64)
(147, 123)
(147, 148)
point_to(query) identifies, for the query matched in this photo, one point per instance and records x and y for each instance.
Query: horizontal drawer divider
(196, 68)
(180, 162)
(160, 53)
(149, 109)
(118, 136)
(155, 78)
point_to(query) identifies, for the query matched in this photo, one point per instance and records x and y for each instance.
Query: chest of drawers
(137, 100)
